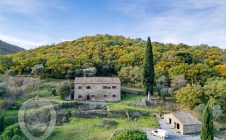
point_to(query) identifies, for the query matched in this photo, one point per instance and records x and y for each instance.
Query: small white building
(107, 89)
(184, 122)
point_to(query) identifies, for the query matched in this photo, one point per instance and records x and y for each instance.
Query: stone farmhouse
(107, 89)
(184, 122)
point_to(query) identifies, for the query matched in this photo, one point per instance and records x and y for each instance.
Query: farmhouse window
(79, 96)
(93, 96)
(88, 87)
(80, 87)
(113, 87)
(105, 96)
(106, 87)
(114, 96)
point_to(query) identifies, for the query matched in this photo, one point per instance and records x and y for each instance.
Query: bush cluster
(131, 134)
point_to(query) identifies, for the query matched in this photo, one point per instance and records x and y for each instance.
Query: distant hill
(6, 48)
(112, 55)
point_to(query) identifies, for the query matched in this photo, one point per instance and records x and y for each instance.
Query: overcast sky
(32, 23)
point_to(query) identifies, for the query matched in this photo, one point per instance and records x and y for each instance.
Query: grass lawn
(89, 129)
(126, 104)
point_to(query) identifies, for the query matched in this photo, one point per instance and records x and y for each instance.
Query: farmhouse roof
(186, 118)
(97, 80)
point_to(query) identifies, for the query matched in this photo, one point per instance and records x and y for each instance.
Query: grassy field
(90, 129)
(83, 128)
(126, 104)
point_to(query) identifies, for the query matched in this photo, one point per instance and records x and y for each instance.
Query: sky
(32, 23)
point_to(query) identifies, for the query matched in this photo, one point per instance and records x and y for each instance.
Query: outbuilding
(184, 122)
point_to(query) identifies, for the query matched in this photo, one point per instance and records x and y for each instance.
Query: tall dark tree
(148, 69)
(207, 123)
(2, 124)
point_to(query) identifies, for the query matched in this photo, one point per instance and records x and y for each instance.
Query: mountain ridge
(7, 48)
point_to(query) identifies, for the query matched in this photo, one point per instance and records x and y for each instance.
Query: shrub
(13, 132)
(129, 135)
(10, 73)
(3, 104)
(159, 110)
(67, 105)
(53, 92)
(3, 89)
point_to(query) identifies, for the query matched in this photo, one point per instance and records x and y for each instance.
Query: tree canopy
(109, 54)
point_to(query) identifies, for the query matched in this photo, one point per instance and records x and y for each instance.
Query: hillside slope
(110, 54)
(6, 48)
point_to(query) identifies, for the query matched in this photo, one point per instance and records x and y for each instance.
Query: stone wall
(191, 129)
(174, 122)
(111, 114)
(97, 93)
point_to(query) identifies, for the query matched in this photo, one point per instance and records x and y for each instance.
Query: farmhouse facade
(107, 89)
(184, 122)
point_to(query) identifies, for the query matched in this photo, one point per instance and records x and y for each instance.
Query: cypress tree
(148, 69)
(2, 124)
(207, 124)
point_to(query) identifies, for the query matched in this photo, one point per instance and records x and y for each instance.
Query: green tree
(162, 87)
(189, 96)
(38, 69)
(131, 76)
(185, 57)
(215, 91)
(178, 82)
(207, 124)
(63, 89)
(148, 69)
(70, 74)
(5, 63)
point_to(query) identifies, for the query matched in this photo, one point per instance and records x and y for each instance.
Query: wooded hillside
(113, 55)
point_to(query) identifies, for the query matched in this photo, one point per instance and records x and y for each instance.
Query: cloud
(20, 42)
(28, 6)
(191, 21)
(28, 23)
